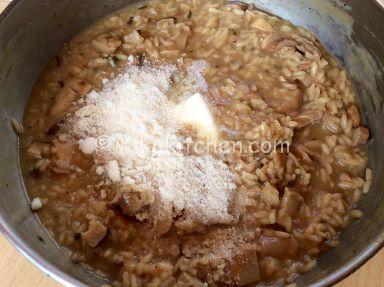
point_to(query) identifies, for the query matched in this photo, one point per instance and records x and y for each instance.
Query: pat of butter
(195, 111)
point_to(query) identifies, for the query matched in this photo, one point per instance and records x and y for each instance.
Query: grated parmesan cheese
(145, 151)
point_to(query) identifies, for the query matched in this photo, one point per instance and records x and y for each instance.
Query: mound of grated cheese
(131, 129)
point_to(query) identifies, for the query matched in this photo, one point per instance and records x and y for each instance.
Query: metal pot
(31, 32)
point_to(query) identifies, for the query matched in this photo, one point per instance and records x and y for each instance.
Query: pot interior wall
(31, 32)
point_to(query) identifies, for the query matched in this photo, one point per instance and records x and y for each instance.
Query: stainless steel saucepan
(32, 32)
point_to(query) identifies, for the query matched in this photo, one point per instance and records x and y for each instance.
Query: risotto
(194, 143)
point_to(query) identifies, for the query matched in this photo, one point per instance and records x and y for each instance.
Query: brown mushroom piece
(290, 206)
(95, 233)
(290, 203)
(244, 268)
(280, 248)
(284, 100)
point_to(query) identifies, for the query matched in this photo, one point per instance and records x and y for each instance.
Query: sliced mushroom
(308, 117)
(280, 248)
(289, 208)
(290, 203)
(95, 233)
(284, 100)
(244, 268)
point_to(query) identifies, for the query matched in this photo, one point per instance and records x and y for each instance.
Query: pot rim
(48, 268)
(66, 280)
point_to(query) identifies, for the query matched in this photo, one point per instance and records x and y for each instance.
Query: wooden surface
(17, 271)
